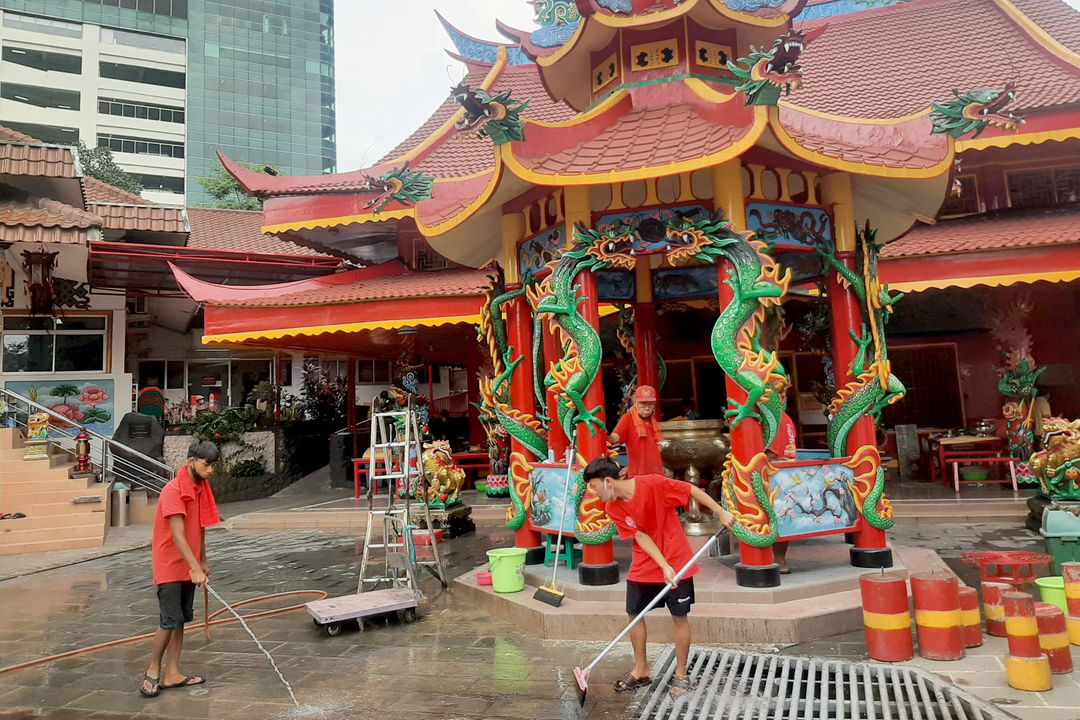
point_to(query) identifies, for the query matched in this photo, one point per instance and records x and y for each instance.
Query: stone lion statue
(445, 478)
(1057, 465)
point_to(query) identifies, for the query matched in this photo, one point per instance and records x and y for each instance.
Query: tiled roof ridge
(94, 186)
(56, 214)
(861, 15)
(911, 244)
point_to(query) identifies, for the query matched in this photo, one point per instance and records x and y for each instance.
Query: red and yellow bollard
(1026, 666)
(994, 607)
(970, 620)
(937, 615)
(1070, 571)
(1053, 638)
(886, 618)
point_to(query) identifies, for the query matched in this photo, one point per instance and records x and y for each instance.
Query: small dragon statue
(974, 111)
(406, 186)
(1057, 465)
(497, 117)
(767, 74)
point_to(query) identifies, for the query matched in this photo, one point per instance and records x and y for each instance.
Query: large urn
(689, 447)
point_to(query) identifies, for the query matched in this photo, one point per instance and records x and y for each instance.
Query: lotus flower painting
(90, 403)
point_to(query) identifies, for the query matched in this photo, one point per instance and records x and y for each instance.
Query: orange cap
(784, 443)
(645, 393)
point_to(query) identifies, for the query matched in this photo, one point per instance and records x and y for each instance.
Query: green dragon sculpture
(767, 74)
(497, 117)
(406, 186)
(974, 111)
(1019, 384)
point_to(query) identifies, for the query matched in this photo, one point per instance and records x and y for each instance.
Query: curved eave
(1029, 26)
(914, 130)
(1056, 126)
(780, 19)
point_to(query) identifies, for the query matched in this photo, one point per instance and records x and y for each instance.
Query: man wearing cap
(640, 431)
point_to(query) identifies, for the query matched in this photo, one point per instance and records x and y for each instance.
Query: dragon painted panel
(686, 283)
(789, 226)
(535, 253)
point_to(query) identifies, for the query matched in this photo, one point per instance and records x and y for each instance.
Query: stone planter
(259, 444)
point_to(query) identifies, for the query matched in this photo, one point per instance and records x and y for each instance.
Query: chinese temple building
(702, 165)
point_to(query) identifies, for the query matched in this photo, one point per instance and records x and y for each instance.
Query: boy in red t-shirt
(640, 430)
(185, 509)
(644, 508)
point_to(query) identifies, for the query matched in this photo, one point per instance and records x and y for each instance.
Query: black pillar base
(849, 538)
(871, 557)
(607, 574)
(757, 576)
(535, 555)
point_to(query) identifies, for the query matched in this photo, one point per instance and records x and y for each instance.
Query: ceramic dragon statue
(767, 74)
(495, 116)
(1057, 465)
(406, 186)
(1018, 384)
(974, 111)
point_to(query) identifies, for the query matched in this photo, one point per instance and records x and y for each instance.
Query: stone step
(45, 521)
(35, 497)
(32, 508)
(29, 475)
(20, 548)
(52, 481)
(12, 461)
(61, 532)
(10, 438)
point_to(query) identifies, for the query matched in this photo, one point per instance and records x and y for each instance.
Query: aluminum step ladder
(395, 439)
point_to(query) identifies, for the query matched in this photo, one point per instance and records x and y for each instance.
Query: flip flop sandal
(630, 682)
(186, 682)
(16, 516)
(681, 686)
(155, 686)
(785, 571)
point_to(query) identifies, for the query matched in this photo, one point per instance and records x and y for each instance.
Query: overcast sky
(392, 66)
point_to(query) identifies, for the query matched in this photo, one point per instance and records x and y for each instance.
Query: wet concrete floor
(455, 662)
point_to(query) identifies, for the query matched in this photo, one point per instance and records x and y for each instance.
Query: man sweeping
(185, 509)
(643, 508)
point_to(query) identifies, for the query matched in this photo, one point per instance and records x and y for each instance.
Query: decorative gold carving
(712, 54)
(654, 55)
(605, 72)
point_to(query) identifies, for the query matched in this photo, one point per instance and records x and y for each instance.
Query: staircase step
(12, 461)
(39, 509)
(41, 522)
(36, 497)
(16, 484)
(21, 548)
(61, 532)
(10, 439)
(42, 474)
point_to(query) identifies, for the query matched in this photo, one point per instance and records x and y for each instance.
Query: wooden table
(970, 449)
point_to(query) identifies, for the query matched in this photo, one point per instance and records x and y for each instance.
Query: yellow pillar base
(1072, 624)
(36, 450)
(1029, 674)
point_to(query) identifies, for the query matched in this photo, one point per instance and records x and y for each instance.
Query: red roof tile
(101, 192)
(46, 221)
(1059, 20)
(149, 218)
(23, 155)
(237, 231)
(892, 62)
(995, 231)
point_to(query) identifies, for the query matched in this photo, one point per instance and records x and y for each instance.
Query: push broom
(551, 594)
(582, 676)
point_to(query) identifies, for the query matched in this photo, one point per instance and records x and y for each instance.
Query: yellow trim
(993, 612)
(346, 327)
(970, 617)
(883, 621)
(1030, 674)
(615, 21)
(598, 109)
(860, 120)
(938, 618)
(645, 173)
(988, 280)
(568, 47)
(1021, 627)
(1018, 139)
(1032, 29)
(332, 222)
(500, 62)
(708, 93)
(466, 212)
(1057, 641)
(852, 167)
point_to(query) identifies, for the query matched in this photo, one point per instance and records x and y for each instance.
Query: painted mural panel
(784, 225)
(540, 250)
(629, 221)
(686, 283)
(615, 285)
(87, 402)
(814, 499)
(548, 497)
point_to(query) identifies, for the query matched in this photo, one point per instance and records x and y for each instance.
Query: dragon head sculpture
(1020, 382)
(497, 117)
(974, 111)
(767, 74)
(402, 184)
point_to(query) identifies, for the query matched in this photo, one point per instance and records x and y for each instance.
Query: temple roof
(43, 220)
(990, 231)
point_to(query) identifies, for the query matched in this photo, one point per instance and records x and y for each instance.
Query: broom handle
(655, 601)
(571, 454)
(206, 612)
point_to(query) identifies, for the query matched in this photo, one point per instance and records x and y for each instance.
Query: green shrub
(224, 426)
(248, 468)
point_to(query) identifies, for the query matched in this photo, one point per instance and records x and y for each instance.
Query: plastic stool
(571, 552)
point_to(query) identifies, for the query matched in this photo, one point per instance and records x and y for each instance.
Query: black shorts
(176, 603)
(679, 600)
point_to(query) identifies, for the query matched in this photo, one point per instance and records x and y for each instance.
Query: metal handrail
(116, 458)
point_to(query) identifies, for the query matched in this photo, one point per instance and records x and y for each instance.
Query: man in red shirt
(644, 508)
(640, 431)
(185, 509)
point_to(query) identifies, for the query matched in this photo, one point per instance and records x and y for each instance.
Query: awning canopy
(992, 268)
(144, 269)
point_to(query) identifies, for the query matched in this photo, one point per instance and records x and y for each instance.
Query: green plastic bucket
(1052, 591)
(507, 567)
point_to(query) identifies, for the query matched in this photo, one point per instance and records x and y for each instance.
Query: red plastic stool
(1014, 568)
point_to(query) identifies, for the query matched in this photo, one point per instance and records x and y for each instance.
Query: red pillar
(598, 561)
(519, 335)
(756, 567)
(350, 407)
(645, 345)
(846, 310)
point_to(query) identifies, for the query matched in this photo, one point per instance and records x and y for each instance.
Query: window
(167, 8)
(44, 344)
(373, 372)
(131, 73)
(141, 146)
(145, 111)
(41, 60)
(46, 133)
(1044, 187)
(162, 183)
(42, 25)
(144, 41)
(40, 96)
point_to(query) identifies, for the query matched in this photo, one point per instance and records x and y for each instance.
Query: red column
(645, 345)
(598, 561)
(519, 335)
(350, 407)
(756, 567)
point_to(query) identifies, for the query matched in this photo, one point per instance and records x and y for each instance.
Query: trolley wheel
(332, 629)
(407, 615)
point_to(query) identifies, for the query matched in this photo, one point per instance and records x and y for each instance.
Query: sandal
(190, 680)
(681, 685)
(630, 682)
(155, 686)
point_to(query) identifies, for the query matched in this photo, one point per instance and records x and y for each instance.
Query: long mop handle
(655, 601)
(206, 612)
(570, 454)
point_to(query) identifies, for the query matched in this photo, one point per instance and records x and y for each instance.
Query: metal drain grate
(736, 685)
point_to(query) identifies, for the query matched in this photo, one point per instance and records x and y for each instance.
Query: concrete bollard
(1026, 666)
(994, 608)
(937, 615)
(886, 618)
(970, 620)
(1053, 638)
(1070, 571)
